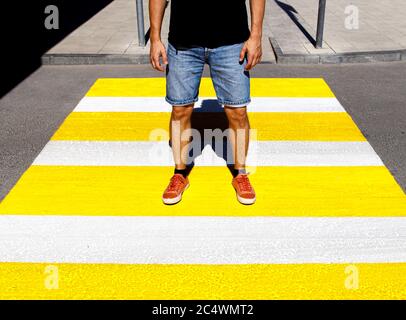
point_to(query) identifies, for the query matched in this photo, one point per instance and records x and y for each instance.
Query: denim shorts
(185, 68)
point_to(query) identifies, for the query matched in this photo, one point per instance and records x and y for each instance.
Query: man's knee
(182, 113)
(237, 115)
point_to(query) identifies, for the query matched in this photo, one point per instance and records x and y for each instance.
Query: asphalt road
(373, 94)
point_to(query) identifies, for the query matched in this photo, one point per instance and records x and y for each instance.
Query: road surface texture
(85, 220)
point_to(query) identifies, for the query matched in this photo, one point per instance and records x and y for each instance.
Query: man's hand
(158, 50)
(253, 49)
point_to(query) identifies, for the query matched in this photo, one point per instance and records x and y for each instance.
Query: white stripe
(207, 104)
(201, 240)
(261, 153)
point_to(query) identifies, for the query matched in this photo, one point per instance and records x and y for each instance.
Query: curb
(89, 59)
(94, 59)
(281, 58)
(337, 58)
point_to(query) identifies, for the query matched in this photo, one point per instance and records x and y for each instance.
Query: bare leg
(180, 121)
(239, 135)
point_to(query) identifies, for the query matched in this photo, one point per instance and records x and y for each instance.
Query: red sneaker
(173, 192)
(244, 190)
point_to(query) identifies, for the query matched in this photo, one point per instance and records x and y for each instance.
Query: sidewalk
(381, 34)
(111, 35)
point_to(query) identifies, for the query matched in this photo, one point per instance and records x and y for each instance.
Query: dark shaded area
(147, 35)
(25, 38)
(211, 124)
(291, 12)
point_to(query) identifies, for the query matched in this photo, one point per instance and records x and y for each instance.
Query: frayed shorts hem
(237, 104)
(182, 103)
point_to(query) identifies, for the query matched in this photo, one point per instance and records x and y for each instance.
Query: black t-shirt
(207, 23)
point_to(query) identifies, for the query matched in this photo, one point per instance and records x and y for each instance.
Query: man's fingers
(250, 61)
(152, 63)
(160, 67)
(164, 56)
(153, 60)
(157, 63)
(242, 53)
(253, 61)
(257, 60)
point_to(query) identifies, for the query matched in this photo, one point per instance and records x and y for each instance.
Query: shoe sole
(245, 200)
(170, 201)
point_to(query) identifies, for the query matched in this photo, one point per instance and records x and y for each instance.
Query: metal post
(320, 23)
(140, 23)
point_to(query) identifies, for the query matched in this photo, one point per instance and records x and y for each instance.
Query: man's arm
(156, 14)
(253, 46)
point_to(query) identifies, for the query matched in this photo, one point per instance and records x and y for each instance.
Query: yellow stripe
(109, 281)
(138, 126)
(260, 87)
(136, 191)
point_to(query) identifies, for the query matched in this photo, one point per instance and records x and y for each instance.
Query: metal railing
(140, 23)
(320, 23)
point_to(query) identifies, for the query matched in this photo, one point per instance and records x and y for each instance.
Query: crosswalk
(90, 204)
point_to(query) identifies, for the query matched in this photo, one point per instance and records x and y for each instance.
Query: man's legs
(239, 137)
(232, 84)
(239, 134)
(180, 124)
(179, 128)
(183, 76)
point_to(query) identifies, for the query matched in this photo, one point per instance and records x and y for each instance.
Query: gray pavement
(111, 35)
(374, 95)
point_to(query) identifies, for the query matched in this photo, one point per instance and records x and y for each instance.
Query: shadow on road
(209, 120)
